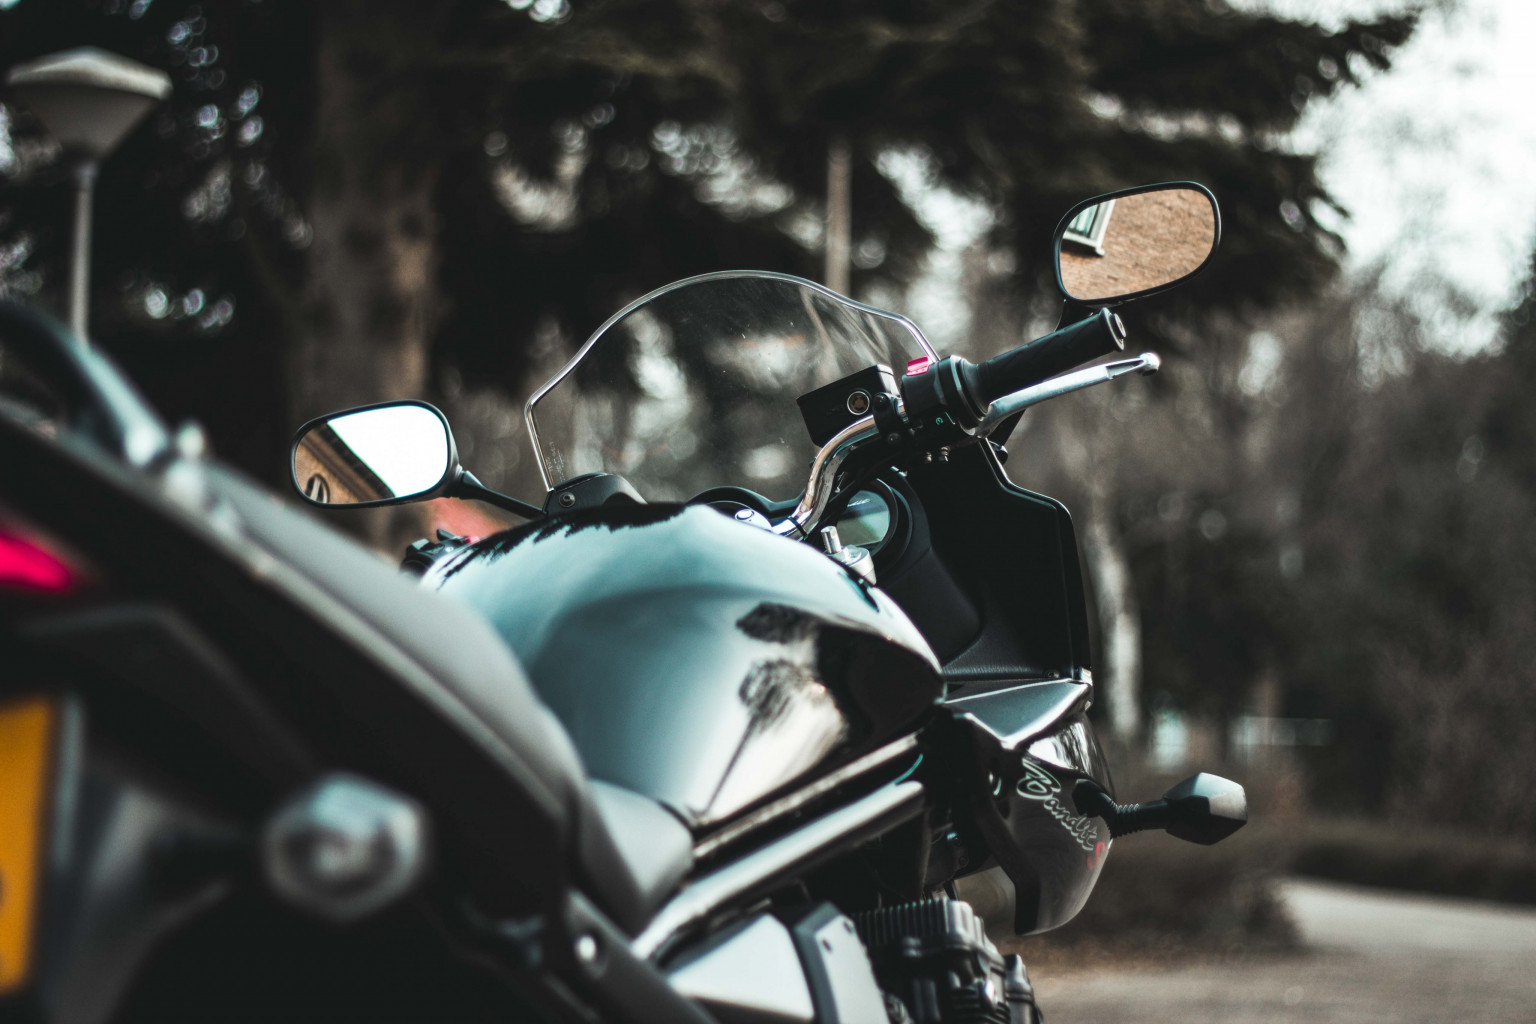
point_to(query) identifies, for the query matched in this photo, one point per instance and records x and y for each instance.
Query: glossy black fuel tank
(697, 660)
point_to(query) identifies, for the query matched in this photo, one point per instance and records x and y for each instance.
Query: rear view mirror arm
(467, 486)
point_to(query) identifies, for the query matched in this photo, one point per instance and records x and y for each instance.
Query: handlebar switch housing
(424, 554)
(886, 410)
(939, 405)
(948, 399)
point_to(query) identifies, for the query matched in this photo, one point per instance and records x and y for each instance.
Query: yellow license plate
(26, 760)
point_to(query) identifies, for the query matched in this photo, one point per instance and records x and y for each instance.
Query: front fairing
(695, 385)
(697, 660)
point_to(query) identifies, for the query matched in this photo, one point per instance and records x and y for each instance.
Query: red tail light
(27, 565)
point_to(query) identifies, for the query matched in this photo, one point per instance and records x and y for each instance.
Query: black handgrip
(1043, 358)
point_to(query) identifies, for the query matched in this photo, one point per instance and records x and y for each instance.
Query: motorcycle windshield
(694, 385)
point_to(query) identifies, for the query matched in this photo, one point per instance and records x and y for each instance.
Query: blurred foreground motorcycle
(721, 740)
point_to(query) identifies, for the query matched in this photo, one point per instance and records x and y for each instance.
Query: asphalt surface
(1372, 957)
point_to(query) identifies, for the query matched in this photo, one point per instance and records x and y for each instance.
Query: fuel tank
(703, 662)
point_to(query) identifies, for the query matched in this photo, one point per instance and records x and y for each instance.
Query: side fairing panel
(1014, 554)
(1027, 748)
(697, 660)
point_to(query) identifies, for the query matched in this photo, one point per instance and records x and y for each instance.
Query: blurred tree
(1024, 107)
(1203, 92)
(1332, 518)
(200, 232)
(471, 169)
(1027, 107)
(1420, 539)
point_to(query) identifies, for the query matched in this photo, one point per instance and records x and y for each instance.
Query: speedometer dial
(866, 522)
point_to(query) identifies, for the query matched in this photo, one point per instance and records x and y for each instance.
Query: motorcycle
(714, 736)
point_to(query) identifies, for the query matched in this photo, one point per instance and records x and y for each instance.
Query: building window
(1087, 228)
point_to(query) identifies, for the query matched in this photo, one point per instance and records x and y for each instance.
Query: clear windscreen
(694, 386)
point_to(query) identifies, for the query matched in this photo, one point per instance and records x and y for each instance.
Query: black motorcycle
(725, 741)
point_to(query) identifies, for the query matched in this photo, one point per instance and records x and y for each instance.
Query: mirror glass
(391, 452)
(1128, 245)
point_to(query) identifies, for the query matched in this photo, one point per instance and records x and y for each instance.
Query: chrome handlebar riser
(824, 469)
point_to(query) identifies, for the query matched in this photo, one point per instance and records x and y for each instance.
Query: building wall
(1152, 238)
(327, 471)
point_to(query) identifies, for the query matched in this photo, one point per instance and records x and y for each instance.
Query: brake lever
(1145, 364)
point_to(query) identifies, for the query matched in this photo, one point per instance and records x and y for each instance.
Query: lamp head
(87, 98)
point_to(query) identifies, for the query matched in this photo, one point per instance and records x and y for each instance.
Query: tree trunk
(839, 213)
(371, 297)
(370, 300)
(1082, 439)
(1119, 625)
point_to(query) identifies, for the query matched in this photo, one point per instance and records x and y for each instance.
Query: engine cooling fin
(934, 956)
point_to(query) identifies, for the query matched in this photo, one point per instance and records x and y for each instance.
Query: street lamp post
(89, 100)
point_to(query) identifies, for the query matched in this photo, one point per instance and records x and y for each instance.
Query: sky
(1435, 161)
(405, 446)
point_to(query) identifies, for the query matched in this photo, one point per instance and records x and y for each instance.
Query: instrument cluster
(871, 519)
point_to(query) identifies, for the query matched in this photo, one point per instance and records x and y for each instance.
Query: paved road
(1373, 957)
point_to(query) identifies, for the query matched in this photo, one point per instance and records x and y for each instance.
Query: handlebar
(824, 469)
(965, 391)
(1043, 358)
(966, 400)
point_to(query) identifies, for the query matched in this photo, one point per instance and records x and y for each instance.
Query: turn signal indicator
(26, 760)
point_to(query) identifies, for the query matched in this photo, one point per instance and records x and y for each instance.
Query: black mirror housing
(1135, 242)
(389, 453)
(1205, 809)
(1202, 809)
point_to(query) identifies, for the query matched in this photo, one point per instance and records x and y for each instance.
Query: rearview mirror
(376, 455)
(1136, 242)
